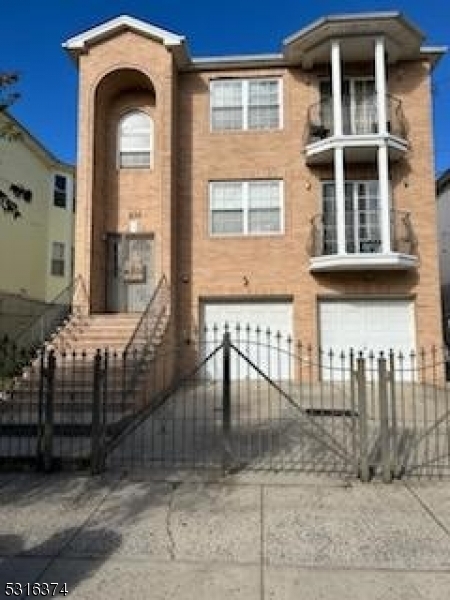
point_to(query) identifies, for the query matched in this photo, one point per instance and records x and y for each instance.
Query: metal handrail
(143, 325)
(323, 237)
(136, 350)
(320, 121)
(54, 313)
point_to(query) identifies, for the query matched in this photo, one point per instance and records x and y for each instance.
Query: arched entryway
(125, 198)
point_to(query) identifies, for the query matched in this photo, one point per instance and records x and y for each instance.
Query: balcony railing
(358, 118)
(323, 237)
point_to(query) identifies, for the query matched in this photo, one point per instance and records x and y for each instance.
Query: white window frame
(245, 96)
(147, 149)
(245, 208)
(63, 259)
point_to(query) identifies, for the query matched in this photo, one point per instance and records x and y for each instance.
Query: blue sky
(33, 30)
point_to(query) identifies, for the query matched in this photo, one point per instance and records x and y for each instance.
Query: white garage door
(250, 315)
(367, 325)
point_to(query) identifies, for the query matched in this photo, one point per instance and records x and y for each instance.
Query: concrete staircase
(85, 335)
(62, 396)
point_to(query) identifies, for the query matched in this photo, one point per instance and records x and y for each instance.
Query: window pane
(57, 260)
(260, 221)
(329, 219)
(228, 221)
(60, 191)
(135, 140)
(263, 111)
(226, 105)
(226, 94)
(134, 159)
(226, 195)
(227, 214)
(227, 118)
(264, 206)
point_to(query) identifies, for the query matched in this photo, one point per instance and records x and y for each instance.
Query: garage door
(277, 316)
(367, 325)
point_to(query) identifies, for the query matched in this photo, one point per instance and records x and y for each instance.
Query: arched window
(135, 140)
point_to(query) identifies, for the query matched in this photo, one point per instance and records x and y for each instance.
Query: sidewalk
(254, 537)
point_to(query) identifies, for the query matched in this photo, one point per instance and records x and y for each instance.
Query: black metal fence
(237, 400)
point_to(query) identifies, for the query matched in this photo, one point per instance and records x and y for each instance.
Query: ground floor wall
(307, 293)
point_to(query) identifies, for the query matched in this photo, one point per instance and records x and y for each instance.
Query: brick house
(291, 190)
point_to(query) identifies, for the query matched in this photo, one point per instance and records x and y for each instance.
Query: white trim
(356, 141)
(245, 209)
(79, 42)
(339, 183)
(360, 262)
(380, 85)
(383, 191)
(336, 88)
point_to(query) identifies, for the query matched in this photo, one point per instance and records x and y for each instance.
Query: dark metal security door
(130, 277)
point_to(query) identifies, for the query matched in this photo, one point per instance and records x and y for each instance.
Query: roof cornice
(80, 42)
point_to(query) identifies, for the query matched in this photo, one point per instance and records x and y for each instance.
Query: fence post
(96, 433)
(384, 419)
(353, 375)
(226, 398)
(49, 375)
(364, 470)
(395, 454)
(40, 428)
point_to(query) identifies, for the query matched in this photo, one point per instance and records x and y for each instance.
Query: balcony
(360, 130)
(363, 245)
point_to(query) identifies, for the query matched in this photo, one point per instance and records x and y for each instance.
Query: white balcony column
(339, 182)
(385, 204)
(380, 85)
(336, 86)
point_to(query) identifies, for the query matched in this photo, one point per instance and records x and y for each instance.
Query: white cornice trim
(361, 262)
(79, 42)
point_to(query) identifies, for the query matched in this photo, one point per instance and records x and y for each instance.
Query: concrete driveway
(263, 536)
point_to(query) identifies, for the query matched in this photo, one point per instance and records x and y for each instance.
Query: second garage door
(376, 325)
(275, 315)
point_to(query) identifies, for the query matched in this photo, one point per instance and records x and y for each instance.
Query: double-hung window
(135, 140)
(246, 207)
(245, 104)
(60, 191)
(58, 262)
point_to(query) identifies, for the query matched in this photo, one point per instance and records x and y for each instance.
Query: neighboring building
(291, 190)
(36, 248)
(443, 211)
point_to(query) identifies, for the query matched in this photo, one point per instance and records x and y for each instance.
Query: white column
(339, 182)
(380, 85)
(336, 86)
(385, 205)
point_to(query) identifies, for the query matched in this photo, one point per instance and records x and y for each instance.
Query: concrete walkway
(254, 537)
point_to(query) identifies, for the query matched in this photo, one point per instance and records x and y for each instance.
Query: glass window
(135, 140)
(362, 217)
(58, 259)
(60, 191)
(245, 207)
(242, 104)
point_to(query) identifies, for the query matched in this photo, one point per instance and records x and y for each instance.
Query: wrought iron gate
(207, 419)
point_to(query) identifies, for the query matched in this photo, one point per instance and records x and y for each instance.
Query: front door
(130, 276)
